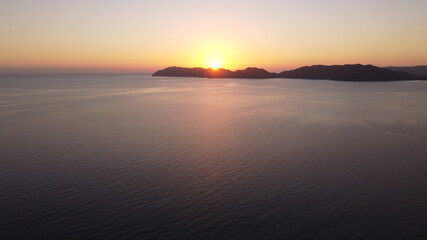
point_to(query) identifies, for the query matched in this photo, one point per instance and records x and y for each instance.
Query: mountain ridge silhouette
(348, 72)
(417, 70)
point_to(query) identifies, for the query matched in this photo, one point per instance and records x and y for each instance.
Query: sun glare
(215, 61)
(215, 65)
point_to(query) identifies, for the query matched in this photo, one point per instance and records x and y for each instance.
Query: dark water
(136, 157)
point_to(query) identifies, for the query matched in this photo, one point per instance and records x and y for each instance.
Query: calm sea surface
(137, 157)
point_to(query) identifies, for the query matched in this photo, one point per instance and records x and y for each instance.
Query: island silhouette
(348, 72)
(417, 70)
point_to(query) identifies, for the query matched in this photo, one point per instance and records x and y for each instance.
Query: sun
(215, 61)
(215, 65)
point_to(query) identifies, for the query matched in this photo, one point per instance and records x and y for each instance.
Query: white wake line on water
(30, 109)
(377, 129)
(13, 104)
(317, 147)
(322, 102)
(401, 93)
(274, 88)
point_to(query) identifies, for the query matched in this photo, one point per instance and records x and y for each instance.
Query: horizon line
(124, 70)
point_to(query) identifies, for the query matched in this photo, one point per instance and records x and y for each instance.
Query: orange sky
(148, 35)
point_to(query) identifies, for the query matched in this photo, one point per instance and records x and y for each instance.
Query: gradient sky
(150, 34)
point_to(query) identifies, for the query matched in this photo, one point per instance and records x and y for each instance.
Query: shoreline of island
(348, 72)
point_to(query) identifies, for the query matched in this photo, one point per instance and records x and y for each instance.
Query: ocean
(141, 157)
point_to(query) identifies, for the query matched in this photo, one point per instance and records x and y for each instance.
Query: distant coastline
(417, 70)
(349, 72)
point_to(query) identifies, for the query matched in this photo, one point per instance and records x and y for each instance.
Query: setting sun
(215, 65)
(215, 60)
